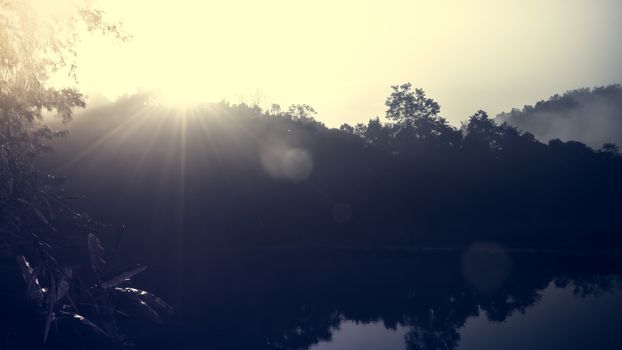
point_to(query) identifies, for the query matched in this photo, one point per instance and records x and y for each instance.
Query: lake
(561, 320)
(484, 297)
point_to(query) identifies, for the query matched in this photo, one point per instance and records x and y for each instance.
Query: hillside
(234, 175)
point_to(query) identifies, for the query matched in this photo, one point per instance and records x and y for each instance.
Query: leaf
(84, 321)
(38, 213)
(96, 250)
(148, 302)
(64, 282)
(150, 311)
(25, 267)
(144, 295)
(123, 276)
(51, 305)
(41, 216)
(34, 290)
(163, 306)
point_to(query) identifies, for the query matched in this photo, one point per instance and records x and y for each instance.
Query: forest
(237, 175)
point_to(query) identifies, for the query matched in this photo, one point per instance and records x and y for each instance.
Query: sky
(341, 57)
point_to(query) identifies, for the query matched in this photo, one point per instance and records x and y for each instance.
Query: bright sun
(184, 96)
(342, 56)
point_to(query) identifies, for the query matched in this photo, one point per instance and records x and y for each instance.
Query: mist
(592, 116)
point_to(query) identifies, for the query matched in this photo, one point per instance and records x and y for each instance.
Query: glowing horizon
(342, 57)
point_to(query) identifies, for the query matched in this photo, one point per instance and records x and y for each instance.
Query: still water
(481, 299)
(561, 320)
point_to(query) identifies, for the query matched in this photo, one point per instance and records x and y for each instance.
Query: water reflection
(301, 299)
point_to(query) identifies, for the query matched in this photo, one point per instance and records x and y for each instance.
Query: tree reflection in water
(292, 299)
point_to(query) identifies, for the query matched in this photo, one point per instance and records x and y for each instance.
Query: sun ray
(119, 129)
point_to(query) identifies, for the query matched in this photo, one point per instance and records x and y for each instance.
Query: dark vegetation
(60, 288)
(191, 183)
(234, 175)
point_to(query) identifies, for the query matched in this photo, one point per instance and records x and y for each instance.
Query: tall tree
(37, 41)
(417, 119)
(405, 105)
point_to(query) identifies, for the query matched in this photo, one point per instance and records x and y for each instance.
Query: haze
(341, 57)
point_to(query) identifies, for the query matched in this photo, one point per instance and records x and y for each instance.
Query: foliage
(414, 122)
(36, 42)
(298, 112)
(405, 105)
(484, 180)
(37, 224)
(65, 295)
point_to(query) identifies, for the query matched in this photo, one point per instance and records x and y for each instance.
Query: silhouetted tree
(482, 133)
(417, 123)
(347, 128)
(376, 133)
(610, 149)
(405, 106)
(36, 224)
(34, 45)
